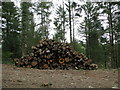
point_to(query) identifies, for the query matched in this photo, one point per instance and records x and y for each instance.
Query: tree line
(20, 30)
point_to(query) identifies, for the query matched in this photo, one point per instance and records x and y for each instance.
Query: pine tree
(24, 25)
(28, 37)
(109, 9)
(73, 6)
(70, 17)
(10, 30)
(43, 10)
(60, 24)
(92, 28)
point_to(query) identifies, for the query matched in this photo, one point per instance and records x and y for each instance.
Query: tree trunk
(118, 39)
(73, 25)
(63, 23)
(70, 23)
(111, 34)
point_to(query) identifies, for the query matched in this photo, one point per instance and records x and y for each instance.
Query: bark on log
(49, 54)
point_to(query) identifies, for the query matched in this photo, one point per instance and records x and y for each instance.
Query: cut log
(61, 60)
(34, 63)
(29, 66)
(49, 54)
(45, 66)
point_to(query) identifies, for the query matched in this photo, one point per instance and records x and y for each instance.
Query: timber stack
(49, 54)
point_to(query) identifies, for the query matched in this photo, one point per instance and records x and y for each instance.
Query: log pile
(49, 54)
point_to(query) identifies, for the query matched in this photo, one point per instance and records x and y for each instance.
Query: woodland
(91, 28)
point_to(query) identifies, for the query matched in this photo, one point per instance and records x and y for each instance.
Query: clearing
(15, 77)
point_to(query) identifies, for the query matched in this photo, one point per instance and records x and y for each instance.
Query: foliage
(7, 58)
(10, 31)
(20, 31)
(43, 11)
(91, 30)
(60, 24)
(78, 47)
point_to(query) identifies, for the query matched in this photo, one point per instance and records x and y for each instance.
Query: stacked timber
(49, 54)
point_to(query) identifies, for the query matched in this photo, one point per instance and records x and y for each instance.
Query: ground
(14, 77)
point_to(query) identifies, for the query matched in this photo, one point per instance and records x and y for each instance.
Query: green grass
(7, 62)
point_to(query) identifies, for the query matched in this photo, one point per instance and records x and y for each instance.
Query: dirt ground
(14, 77)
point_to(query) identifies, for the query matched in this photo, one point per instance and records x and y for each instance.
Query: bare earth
(14, 77)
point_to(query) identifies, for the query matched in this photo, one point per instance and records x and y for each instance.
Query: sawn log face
(49, 54)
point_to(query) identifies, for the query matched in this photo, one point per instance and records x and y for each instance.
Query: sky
(78, 20)
(57, 3)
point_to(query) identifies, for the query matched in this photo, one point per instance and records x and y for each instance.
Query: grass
(7, 61)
